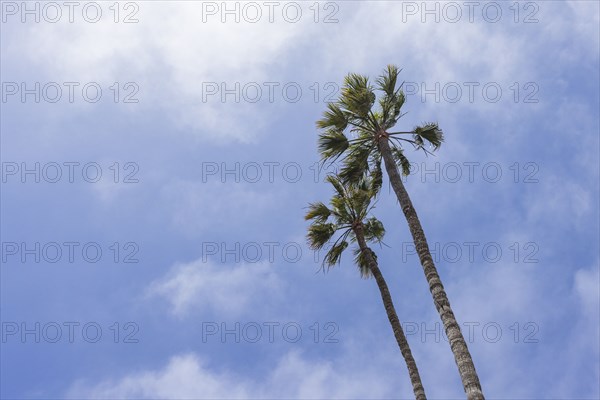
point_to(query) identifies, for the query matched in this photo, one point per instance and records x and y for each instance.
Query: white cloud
(560, 200)
(220, 288)
(586, 288)
(579, 353)
(188, 376)
(170, 53)
(108, 192)
(184, 377)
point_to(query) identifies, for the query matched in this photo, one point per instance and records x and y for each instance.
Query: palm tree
(348, 214)
(371, 141)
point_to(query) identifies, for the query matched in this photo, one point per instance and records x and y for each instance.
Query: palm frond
(341, 206)
(361, 261)
(337, 184)
(318, 211)
(398, 103)
(401, 159)
(332, 144)
(334, 117)
(357, 96)
(374, 230)
(376, 174)
(431, 133)
(341, 209)
(319, 234)
(361, 199)
(356, 163)
(387, 81)
(393, 99)
(334, 254)
(356, 82)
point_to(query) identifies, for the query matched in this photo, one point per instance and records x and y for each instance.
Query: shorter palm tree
(348, 215)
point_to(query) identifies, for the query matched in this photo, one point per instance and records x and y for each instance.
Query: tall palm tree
(368, 140)
(350, 207)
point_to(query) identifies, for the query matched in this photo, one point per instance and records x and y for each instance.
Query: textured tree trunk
(463, 359)
(413, 371)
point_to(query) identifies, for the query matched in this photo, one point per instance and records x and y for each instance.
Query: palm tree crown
(354, 113)
(349, 209)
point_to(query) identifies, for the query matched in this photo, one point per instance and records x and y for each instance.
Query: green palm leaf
(431, 133)
(402, 161)
(374, 230)
(357, 96)
(356, 164)
(319, 234)
(318, 211)
(387, 81)
(334, 254)
(334, 117)
(337, 185)
(360, 259)
(398, 103)
(332, 144)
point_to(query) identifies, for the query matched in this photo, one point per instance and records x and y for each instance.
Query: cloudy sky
(157, 159)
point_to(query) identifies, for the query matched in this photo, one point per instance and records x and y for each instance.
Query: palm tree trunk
(463, 359)
(413, 371)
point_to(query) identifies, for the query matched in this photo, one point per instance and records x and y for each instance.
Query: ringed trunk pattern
(413, 371)
(463, 359)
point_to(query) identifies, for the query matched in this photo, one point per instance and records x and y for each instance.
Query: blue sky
(205, 288)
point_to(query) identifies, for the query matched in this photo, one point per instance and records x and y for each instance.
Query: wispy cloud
(217, 288)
